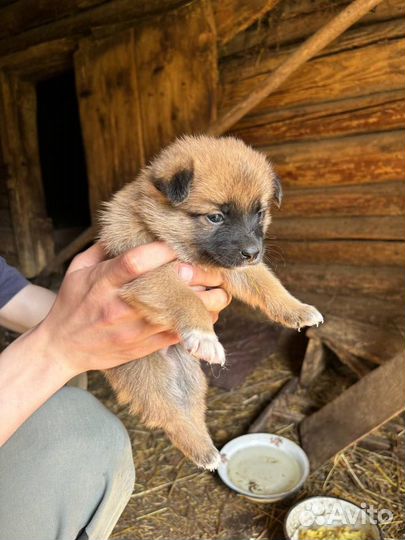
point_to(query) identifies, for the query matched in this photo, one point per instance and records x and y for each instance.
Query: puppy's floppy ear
(178, 187)
(278, 191)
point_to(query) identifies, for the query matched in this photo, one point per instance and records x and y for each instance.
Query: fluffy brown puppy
(210, 200)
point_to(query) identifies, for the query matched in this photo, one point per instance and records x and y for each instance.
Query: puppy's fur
(210, 200)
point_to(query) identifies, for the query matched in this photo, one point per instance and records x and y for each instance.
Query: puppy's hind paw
(210, 461)
(205, 346)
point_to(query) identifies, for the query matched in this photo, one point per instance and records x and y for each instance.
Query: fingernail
(185, 272)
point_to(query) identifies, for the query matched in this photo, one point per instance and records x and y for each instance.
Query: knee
(94, 435)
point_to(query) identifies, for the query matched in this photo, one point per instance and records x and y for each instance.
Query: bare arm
(27, 308)
(88, 327)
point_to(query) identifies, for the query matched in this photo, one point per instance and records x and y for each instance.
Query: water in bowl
(263, 470)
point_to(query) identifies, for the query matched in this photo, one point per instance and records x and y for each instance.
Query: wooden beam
(337, 228)
(32, 228)
(138, 90)
(368, 404)
(233, 16)
(79, 23)
(68, 252)
(279, 401)
(362, 159)
(364, 200)
(294, 21)
(307, 50)
(384, 111)
(377, 282)
(357, 253)
(367, 341)
(314, 362)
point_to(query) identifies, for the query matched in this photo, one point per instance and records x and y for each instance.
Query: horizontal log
(364, 114)
(365, 200)
(373, 343)
(346, 74)
(338, 228)
(350, 160)
(233, 16)
(293, 21)
(376, 311)
(304, 52)
(42, 60)
(356, 253)
(78, 23)
(384, 281)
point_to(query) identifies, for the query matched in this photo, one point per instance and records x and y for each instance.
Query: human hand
(90, 327)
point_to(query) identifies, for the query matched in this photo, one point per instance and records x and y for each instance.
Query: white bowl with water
(263, 467)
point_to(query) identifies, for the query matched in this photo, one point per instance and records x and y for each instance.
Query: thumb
(136, 261)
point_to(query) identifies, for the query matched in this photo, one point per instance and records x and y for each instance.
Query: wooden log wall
(335, 134)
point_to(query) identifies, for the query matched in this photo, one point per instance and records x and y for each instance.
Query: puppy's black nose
(250, 253)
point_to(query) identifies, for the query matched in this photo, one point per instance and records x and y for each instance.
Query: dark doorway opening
(62, 157)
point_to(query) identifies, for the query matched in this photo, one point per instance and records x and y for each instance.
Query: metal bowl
(316, 512)
(263, 467)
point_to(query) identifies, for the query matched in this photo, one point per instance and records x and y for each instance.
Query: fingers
(136, 261)
(90, 257)
(195, 275)
(215, 300)
(157, 342)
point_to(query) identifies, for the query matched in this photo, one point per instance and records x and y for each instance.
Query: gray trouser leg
(67, 471)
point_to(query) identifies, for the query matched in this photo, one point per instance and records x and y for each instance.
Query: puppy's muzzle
(251, 253)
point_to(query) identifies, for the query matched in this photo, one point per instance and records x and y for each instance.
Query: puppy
(210, 200)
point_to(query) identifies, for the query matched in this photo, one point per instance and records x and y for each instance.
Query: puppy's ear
(278, 191)
(178, 187)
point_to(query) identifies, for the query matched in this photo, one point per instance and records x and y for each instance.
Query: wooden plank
(357, 365)
(355, 413)
(109, 104)
(338, 228)
(132, 99)
(314, 362)
(22, 16)
(69, 251)
(307, 50)
(110, 13)
(293, 21)
(345, 74)
(384, 281)
(31, 226)
(349, 160)
(40, 61)
(357, 253)
(364, 114)
(280, 401)
(363, 200)
(177, 95)
(342, 303)
(373, 343)
(233, 16)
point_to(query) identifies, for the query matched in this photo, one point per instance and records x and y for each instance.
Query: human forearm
(28, 377)
(27, 308)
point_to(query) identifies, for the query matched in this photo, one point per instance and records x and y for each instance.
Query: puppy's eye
(261, 213)
(215, 218)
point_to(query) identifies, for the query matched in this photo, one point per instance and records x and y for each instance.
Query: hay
(174, 500)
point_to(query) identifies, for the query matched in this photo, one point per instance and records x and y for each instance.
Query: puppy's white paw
(209, 461)
(205, 346)
(309, 316)
(300, 315)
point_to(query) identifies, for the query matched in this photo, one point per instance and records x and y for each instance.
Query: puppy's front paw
(205, 346)
(302, 315)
